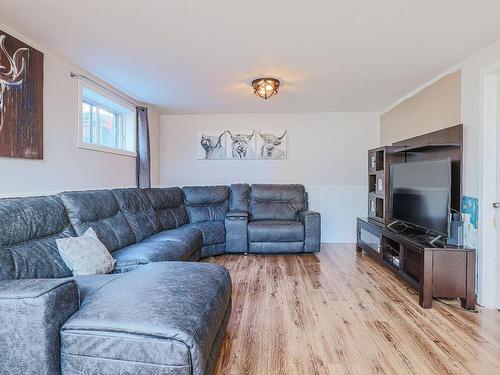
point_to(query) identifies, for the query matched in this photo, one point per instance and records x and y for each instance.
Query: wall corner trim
(415, 91)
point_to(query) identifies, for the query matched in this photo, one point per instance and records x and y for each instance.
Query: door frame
(490, 273)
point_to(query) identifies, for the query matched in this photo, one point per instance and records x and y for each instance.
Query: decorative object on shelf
(470, 206)
(373, 161)
(272, 145)
(456, 236)
(21, 99)
(241, 144)
(265, 87)
(470, 213)
(211, 145)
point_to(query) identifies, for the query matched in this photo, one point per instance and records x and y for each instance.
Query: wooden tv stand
(435, 270)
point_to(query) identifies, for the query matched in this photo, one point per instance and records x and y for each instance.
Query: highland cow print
(211, 145)
(272, 145)
(240, 144)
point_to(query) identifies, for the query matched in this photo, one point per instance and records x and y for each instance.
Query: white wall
(475, 141)
(64, 166)
(327, 152)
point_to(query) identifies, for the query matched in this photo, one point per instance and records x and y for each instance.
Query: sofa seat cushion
(129, 257)
(160, 317)
(89, 284)
(191, 237)
(213, 232)
(275, 231)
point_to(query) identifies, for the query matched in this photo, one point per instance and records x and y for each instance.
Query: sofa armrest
(32, 312)
(236, 231)
(237, 213)
(312, 228)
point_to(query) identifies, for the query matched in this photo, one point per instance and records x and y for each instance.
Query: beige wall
(435, 107)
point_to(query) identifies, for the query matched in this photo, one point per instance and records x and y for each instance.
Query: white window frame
(97, 147)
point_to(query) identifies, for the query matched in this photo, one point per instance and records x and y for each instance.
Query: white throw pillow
(85, 255)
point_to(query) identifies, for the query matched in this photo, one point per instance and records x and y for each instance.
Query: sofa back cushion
(137, 209)
(239, 197)
(29, 228)
(98, 209)
(276, 202)
(206, 203)
(168, 205)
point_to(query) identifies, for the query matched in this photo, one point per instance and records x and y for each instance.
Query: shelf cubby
(379, 160)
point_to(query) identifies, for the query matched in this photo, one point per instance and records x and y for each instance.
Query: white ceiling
(190, 56)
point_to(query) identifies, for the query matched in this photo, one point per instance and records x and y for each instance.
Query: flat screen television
(421, 194)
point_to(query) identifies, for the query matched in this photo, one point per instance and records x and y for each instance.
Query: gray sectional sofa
(159, 313)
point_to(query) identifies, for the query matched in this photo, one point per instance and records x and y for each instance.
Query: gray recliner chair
(279, 220)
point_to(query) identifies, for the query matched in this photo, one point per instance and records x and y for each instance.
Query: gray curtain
(143, 169)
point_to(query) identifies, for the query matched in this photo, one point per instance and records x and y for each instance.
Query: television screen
(421, 193)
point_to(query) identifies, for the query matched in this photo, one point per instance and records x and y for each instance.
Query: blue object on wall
(470, 206)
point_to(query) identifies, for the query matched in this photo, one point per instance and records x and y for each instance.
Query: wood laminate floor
(337, 312)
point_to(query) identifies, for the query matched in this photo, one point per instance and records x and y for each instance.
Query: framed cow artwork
(21, 99)
(211, 145)
(272, 145)
(241, 145)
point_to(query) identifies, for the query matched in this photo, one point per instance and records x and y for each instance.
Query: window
(106, 123)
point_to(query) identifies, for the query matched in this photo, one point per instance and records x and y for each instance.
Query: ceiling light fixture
(265, 87)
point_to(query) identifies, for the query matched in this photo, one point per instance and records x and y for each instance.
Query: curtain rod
(74, 75)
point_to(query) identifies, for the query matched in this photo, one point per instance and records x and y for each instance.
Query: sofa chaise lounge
(158, 313)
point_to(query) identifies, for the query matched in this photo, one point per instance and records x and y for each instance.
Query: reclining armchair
(271, 219)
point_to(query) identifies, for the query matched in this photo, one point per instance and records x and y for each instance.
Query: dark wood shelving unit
(436, 270)
(446, 143)
(379, 160)
(420, 148)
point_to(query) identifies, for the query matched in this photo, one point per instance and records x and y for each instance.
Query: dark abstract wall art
(21, 99)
